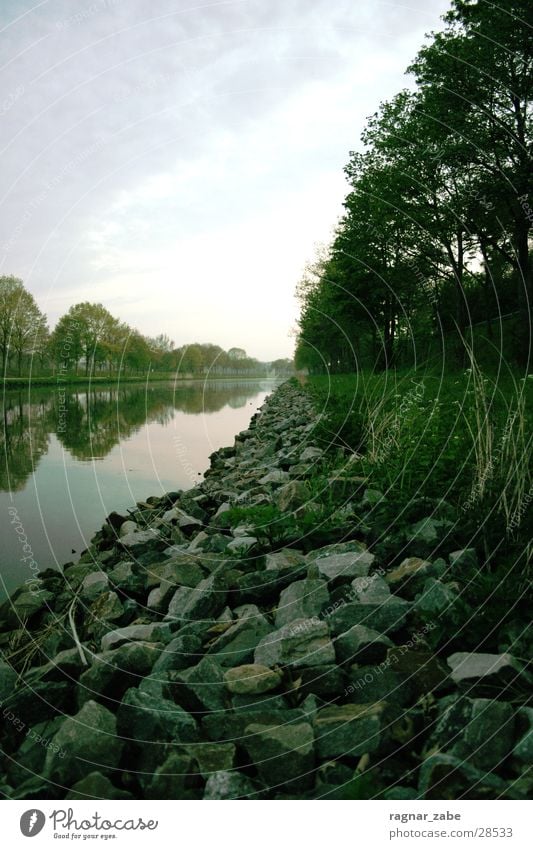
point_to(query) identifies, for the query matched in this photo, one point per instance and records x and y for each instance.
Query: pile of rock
(185, 657)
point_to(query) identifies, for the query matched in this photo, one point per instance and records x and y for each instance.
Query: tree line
(89, 341)
(435, 236)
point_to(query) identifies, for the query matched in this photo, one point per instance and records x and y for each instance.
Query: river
(67, 462)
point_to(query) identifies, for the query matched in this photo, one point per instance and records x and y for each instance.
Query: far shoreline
(80, 380)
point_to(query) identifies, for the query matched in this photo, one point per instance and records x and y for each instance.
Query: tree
(96, 326)
(22, 324)
(477, 77)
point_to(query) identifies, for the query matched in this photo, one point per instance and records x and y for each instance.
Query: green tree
(22, 324)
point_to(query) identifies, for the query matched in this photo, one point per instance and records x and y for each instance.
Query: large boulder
(236, 645)
(305, 642)
(480, 731)
(362, 645)
(84, 742)
(228, 785)
(145, 718)
(291, 497)
(286, 558)
(112, 673)
(523, 749)
(386, 616)
(155, 632)
(349, 730)
(444, 776)
(205, 601)
(487, 674)
(301, 600)
(252, 679)
(282, 755)
(342, 562)
(200, 688)
(96, 786)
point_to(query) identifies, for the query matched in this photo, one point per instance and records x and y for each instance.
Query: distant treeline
(436, 231)
(89, 341)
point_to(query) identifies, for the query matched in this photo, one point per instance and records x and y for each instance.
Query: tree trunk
(525, 293)
(486, 287)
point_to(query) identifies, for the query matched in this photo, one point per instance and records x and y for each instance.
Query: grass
(457, 446)
(465, 437)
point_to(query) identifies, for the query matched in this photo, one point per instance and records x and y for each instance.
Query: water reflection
(89, 423)
(70, 459)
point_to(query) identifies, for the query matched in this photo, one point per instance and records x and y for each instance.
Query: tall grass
(464, 437)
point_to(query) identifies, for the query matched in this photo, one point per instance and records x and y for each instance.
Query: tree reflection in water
(96, 420)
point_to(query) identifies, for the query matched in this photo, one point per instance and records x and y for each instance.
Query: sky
(180, 161)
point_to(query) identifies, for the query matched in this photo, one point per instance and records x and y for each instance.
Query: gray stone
(201, 687)
(292, 496)
(93, 585)
(212, 758)
(128, 527)
(436, 598)
(370, 589)
(230, 726)
(181, 570)
(228, 785)
(31, 753)
(283, 755)
(142, 540)
(252, 678)
(428, 532)
(409, 570)
(88, 738)
(310, 453)
(523, 749)
(465, 557)
(370, 684)
(301, 600)
(486, 673)
(145, 718)
(156, 632)
(386, 616)
(125, 578)
(96, 786)
(444, 776)
(185, 522)
(305, 642)
(362, 645)
(327, 681)
(169, 780)
(204, 601)
(26, 605)
(242, 545)
(488, 737)
(179, 653)
(106, 608)
(111, 673)
(238, 642)
(343, 561)
(348, 730)
(274, 478)
(285, 559)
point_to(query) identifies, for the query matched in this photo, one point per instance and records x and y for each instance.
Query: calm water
(64, 471)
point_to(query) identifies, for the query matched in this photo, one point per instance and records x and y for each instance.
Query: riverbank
(255, 636)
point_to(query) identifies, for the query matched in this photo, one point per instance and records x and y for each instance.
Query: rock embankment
(223, 643)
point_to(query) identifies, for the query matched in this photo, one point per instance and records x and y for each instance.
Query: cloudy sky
(179, 160)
